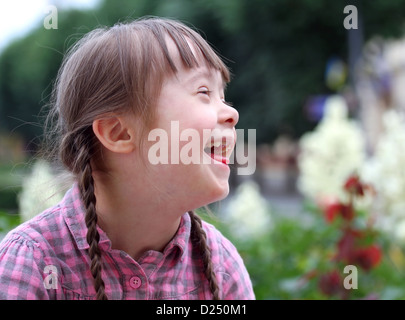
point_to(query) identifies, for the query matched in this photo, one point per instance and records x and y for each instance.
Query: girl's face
(200, 128)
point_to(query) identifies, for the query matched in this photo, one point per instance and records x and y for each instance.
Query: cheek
(193, 131)
(202, 122)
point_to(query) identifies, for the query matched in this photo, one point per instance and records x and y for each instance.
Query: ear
(114, 134)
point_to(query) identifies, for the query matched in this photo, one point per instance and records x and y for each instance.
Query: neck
(133, 218)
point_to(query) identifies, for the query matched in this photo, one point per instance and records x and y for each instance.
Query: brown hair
(118, 69)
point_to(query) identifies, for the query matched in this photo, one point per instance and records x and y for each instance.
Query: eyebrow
(204, 74)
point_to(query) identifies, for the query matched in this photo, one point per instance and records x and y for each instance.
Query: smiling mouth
(219, 149)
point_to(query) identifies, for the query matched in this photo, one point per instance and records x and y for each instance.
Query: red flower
(331, 212)
(346, 244)
(350, 252)
(353, 185)
(330, 283)
(347, 212)
(367, 258)
(337, 208)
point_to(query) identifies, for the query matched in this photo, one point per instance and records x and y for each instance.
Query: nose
(228, 115)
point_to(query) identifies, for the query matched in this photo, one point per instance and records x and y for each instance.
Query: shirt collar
(181, 238)
(74, 215)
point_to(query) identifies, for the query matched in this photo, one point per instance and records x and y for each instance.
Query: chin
(220, 192)
(210, 196)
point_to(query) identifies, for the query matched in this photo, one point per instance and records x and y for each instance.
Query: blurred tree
(27, 69)
(277, 51)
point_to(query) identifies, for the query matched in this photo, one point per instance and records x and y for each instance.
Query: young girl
(126, 229)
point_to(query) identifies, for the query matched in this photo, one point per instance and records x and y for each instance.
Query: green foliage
(286, 263)
(27, 69)
(8, 198)
(278, 261)
(10, 187)
(7, 222)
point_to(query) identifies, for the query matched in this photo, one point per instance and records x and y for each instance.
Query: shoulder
(50, 229)
(37, 230)
(46, 235)
(23, 242)
(32, 243)
(24, 253)
(228, 265)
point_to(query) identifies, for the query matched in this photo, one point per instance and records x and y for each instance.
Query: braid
(199, 236)
(87, 192)
(76, 144)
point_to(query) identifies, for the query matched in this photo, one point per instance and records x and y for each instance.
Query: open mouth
(219, 149)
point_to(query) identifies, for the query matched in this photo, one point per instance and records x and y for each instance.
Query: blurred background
(321, 85)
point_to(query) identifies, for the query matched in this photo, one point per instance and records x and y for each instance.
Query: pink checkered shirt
(47, 258)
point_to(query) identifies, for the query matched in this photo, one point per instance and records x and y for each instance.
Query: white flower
(248, 213)
(400, 230)
(330, 153)
(385, 171)
(39, 191)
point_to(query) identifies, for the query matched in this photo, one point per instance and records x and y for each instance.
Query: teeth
(226, 148)
(217, 144)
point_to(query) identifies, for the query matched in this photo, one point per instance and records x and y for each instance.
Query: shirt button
(135, 282)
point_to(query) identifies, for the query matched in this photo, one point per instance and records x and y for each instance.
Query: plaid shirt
(47, 258)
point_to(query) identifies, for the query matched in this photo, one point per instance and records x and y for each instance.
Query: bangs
(182, 36)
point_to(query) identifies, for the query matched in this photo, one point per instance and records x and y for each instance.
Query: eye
(204, 90)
